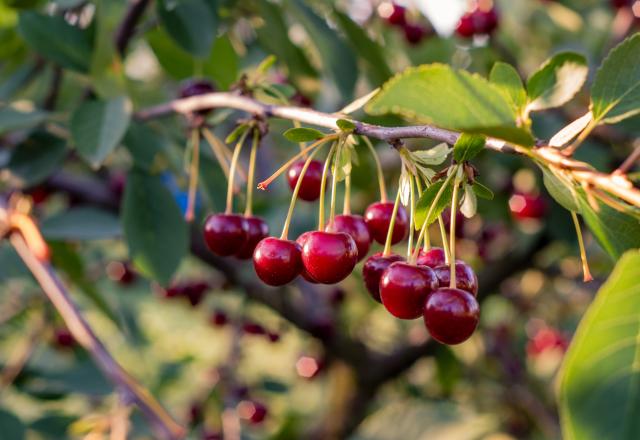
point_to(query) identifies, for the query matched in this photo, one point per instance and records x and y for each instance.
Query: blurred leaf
(615, 94)
(556, 81)
(561, 192)
(222, 64)
(83, 223)
(108, 77)
(236, 133)
(37, 158)
(52, 426)
(144, 144)
(154, 228)
(453, 99)
(468, 146)
(98, 126)
(274, 386)
(432, 156)
(11, 266)
(448, 370)
(191, 23)
(303, 134)
(599, 387)
(14, 119)
(482, 191)
(175, 61)
(80, 377)
(426, 200)
(345, 125)
(12, 427)
(505, 77)
(56, 40)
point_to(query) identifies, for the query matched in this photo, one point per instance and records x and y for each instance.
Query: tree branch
(128, 24)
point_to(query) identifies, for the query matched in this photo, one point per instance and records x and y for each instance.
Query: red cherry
(195, 87)
(466, 278)
(378, 217)
(218, 318)
(433, 257)
(355, 226)
(252, 411)
(63, 338)
(329, 257)
(121, 272)
(253, 328)
(466, 27)
(619, 4)
(194, 292)
(372, 272)
(547, 338)
(273, 337)
(225, 233)
(485, 22)
(301, 241)
(414, 34)
(276, 261)
(451, 315)
(257, 229)
(404, 288)
(527, 206)
(311, 182)
(396, 15)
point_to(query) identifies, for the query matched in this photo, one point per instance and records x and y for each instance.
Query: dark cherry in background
(311, 182)
(225, 233)
(372, 272)
(329, 257)
(451, 315)
(276, 261)
(404, 288)
(378, 216)
(355, 226)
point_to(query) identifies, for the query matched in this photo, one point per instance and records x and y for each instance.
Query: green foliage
(556, 81)
(599, 387)
(303, 134)
(426, 200)
(505, 77)
(37, 158)
(191, 23)
(345, 125)
(12, 426)
(14, 119)
(468, 146)
(482, 191)
(83, 223)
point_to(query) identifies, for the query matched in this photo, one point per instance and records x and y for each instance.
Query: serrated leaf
(36, 158)
(154, 227)
(560, 191)
(82, 223)
(303, 134)
(599, 386)
(453, 99)
(98, 126)
(345, 125)
(615, 94)
(426, 200)
(482, 191)
(469, 205)
(13, 119)
(432, 156)
(468, 146)
(191, 23)
(505, 77)
(556, 81)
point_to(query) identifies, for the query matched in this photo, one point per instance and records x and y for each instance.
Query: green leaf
(432, 156)
(222, 64)
(469, 204)
(81, 224)
(557, 81)
(52, 426)
(468, 146)
(14, 119)
(599, 383)
(454, 99)
(154, 228)
(506, 78)
(174, 60)
(36, 158)
(12, 426)
(56, 40)
(561, 192)
(482, 191)
(98, 126)
(145, 146)
(345, 125)
(236, 133)
(615, 94)
(191, 23)
(303, 134)
(426, 200)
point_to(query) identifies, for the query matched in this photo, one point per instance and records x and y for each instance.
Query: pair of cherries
(234, 234)
(409, 291)
(396, 15)
(478, 22)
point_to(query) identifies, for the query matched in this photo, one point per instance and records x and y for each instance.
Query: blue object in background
(180, 195)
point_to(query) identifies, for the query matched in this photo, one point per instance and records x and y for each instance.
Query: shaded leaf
(191, 23)
(83, 223)
(560, 191)
(223, 62)
(345, 125)
(12, 426)
(482, 191)
(507, 79)
(37, 158)
(144, 144)
(303, 134)
(52, 426)
(14, 119)
(557, 81)
(432, 156)
(468, 146)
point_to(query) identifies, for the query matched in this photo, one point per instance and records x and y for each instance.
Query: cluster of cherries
(478, 22)
(396, 15)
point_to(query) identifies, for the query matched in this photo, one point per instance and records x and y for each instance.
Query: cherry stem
(346, 209)
(217, 151)
(232, 171)
(248, 210)
(383, 189)
(265, 183)
(583, 253)
(427, 239)
(443, 235)
(412, 212)
(392, 224)
(452, 233)
(193, 174)
(334, 181)
(323, 187)
(294, 196)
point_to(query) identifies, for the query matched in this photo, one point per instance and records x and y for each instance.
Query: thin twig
(128, 24)
(629, 161)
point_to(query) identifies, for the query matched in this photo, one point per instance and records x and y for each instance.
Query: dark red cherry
(253, 328)
(378, 216)
(619, 4)
(301, 241)
(466, 278)
(485, 22)
(219, 318)
(194, 292)
(276, 261)
(396, 15)
(273, 337)
(225, 233)
(329, 257)
(355, 226)
(257, 229)
(122, 272)
(372, 272)
(63, 338)
(466, 27)
(404, 288)
(252, 411)
(414, 33)
(451, 315)
(527, 206)
(434, 257)
(195, 87)
(311, 182)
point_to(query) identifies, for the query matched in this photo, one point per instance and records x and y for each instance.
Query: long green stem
(193, 175)
(412, 213)
(323, 187)
(586, 273)
(248, 210)
(383, 189)
(346, 208)
(232, 171)
(334, 181)
(452, 234)
(443, 235)
(427, 239)
(392, 224)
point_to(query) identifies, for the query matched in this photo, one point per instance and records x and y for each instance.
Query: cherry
(301, 241)
(619, 4)
(414, 33)
(433, 257)
(372, 272)
(329, 257)
(404, 288)
(252, 411)
(225, 233)
(485, 22)
(378, 217)
(273, 337)
(39, 194)
(253, 328)
(63, 338)
(397, 15)
(547, 338)
(195, 87)
(117, 183)
(311, 182)
(466, 278)
(527, 206)
(451, 315)
(218, 318)
(466, 27)
(257, 229)
(276, 261)
(355, 226)
(194, 292)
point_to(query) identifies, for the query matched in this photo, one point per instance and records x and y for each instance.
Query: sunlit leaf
(557, 81)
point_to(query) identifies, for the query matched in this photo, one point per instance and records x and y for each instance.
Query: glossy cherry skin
(311, 182)
(276, 261)
(301, 241)
(355, 226)
(225, 233)
(397, 17)
(466, 278)
(329, 257)
(451, 315)
(434, 257)
(257, 229)
(466, 27)
(372, 272)
(527, 206)
(378, 216)
(485, 22)
(404, 288)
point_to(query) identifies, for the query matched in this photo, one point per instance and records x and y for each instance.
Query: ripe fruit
(194, 292)
(311, 182)
(276, 261)
(527, 206)
(218, 318)
(121, 272)
(355, 226)
(396, 15)
(301, 241)
(252, 411)
(404, 288)
(253, 328)
(257, 229)
(196, 87)
(466, 28)
(434, 257)
(329, 257)
(63, 338)
(225, 233)
(451, 315)
(485, 22)
(414, 33)
(547, 338)
(378, 217)
(466, 278)
(372, 272)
